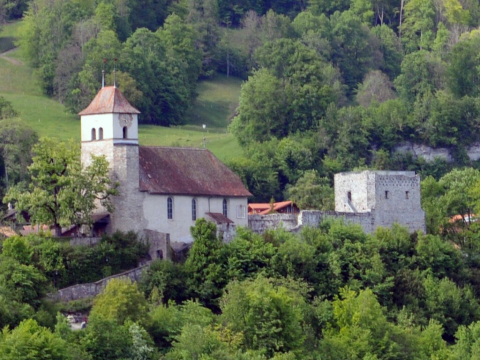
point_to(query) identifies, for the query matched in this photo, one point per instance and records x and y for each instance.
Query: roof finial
(103, 73)
(115, 73)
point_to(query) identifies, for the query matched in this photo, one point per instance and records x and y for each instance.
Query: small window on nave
(194, 209)
(94, 134)
(125, 132)
(100, 134)
(225, 209)
(169, 208)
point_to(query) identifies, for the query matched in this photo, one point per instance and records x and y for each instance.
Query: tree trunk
(58, 230)
(400, 24)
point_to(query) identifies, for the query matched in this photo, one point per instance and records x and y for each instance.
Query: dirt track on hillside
(13, 61)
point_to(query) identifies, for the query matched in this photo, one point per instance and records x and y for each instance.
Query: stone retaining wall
(81, 291)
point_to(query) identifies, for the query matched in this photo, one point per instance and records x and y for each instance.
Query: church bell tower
(109, 127)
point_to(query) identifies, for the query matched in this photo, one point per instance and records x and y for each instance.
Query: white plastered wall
(112, 128)
(155, 213)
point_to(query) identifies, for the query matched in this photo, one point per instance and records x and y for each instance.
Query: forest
(328, 86)
(328, 293)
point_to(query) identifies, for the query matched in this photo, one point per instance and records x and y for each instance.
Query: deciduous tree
(62, 192)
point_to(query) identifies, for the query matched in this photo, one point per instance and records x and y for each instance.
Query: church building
(162, 190)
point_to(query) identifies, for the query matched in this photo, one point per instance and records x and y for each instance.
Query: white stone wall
(357, 185)
(112, 128)
(155, 213)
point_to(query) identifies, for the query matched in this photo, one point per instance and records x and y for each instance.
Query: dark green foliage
(6, 109)
(112, 255)
(462, 72)
(167, 278)
(33, 342)
(105, 339)
(204, 263)
(65, 265)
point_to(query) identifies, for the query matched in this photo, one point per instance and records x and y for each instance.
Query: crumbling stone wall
(260, 223)
(313, 218)
(371, 199)
(159, 244)
(84, 241)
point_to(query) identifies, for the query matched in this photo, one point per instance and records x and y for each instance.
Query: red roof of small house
(109, 100)
(265, 208)
(458, 217)
(187, 171)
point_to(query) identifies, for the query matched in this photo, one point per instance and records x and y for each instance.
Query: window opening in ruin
(124, 132)
(349, 196)
(225, 211)
(170, 208)
(386, 194)
(194, 209)
(100, 134)
(406, 195)
(94, 135)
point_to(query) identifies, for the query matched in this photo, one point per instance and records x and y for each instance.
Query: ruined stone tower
(390, 196)
(109, 126)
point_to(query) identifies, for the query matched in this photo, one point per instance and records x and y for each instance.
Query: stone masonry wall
(82, 291)
(84, 241)
(398, 199)
(355, 184)
(128, 215)
(159, 244)
(260, 223)
(371, 199)
(313, 218)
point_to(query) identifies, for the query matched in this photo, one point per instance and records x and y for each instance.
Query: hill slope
(217, 99)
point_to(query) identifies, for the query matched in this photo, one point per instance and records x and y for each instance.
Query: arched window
(225, 211)
(169, 208)
(124, 132)
(94, 134)
(194, 209)
(100, 134)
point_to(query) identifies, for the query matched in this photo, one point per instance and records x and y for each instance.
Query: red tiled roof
(109, 100)
(187, 171)
(265, 208)
(219, 218)
(259, 206)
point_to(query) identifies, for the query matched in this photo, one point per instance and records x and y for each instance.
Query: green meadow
(215, 105)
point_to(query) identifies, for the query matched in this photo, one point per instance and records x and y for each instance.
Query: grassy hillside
(216, 102)
(217, 99)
